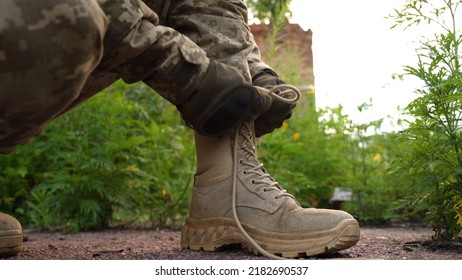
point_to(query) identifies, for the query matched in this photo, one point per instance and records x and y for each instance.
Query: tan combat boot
(10, 236)
(266, 218)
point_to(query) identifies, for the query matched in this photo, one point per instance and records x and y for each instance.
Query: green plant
(124, 157)
(434, 134)
(270, 10)
(366, 161)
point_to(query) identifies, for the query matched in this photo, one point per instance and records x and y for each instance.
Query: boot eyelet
(253, 182)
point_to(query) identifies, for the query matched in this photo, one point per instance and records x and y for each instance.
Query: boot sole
(11, 242)
(212, 234)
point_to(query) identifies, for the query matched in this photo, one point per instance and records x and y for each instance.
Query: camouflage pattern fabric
(220, 28)
(55, 54)
(145, 51)
(47, 51)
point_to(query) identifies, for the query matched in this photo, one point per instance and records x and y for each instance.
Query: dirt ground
(397, 243)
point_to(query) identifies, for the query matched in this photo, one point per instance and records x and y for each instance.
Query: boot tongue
(248, 145)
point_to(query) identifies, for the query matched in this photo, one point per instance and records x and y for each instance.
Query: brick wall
(293, 40)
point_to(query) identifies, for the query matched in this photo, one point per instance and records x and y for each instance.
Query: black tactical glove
(279, 111)
(223, 101)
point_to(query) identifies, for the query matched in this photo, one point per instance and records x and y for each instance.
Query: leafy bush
(125, 156)
(434, 137)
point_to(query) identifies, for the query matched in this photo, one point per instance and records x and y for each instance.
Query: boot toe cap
(315, 220)
(7, 222)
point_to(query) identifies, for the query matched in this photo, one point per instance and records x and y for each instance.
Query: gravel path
(375, 243)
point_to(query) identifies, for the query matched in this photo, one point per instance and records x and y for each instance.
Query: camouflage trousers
(55, 54)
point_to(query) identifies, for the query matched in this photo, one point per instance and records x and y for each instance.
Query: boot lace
(284, 93)
(257, 167)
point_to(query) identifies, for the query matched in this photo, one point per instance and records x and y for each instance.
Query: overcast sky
(356, 54)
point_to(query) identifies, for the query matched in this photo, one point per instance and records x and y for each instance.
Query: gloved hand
(222, 101)
(278, 112)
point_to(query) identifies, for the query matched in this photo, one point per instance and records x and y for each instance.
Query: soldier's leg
(48, 48)
(211, 96)
(135, 48)
(234, 199)
(220, 28)
(217, 26)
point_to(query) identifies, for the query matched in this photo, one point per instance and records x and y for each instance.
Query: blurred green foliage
(124, 157)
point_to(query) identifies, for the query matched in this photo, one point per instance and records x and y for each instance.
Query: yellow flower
(311, 91)
(295, 136)
(377, 157)
(284, 125)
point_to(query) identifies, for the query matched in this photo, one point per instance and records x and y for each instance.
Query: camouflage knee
(217, 26)
(47, 50)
